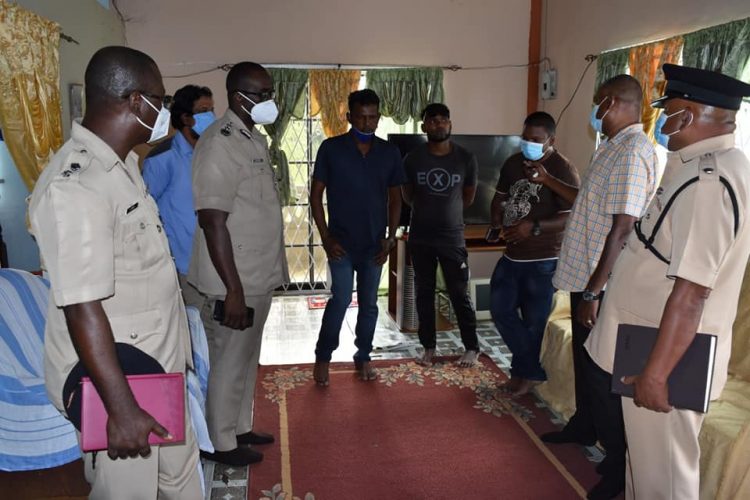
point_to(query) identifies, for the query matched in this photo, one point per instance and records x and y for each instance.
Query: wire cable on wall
(590, 58)
(453, 67)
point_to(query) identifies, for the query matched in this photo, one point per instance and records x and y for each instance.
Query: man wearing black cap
(681, 273)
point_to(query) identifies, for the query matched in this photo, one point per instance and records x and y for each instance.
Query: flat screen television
(491, 152)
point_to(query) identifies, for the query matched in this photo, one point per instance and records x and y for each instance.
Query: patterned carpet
(435, 433)
(290, 315)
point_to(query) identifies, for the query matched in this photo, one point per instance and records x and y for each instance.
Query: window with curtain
(724, 48)
(306, 129)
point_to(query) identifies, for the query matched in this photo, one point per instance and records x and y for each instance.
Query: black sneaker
(563, 436)
(607, 488)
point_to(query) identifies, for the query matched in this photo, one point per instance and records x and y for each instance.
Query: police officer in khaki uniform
(114, 284)
(238, 257)
(681, 272)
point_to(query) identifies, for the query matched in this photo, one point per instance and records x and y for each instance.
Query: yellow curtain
(645, 62)
(329, 89)
(30, 109)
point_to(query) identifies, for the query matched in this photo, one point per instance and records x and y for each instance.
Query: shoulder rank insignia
(226, 129)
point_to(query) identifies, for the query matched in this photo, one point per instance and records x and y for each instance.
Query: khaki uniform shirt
(100, 238)
(232, 172)
(697, 237)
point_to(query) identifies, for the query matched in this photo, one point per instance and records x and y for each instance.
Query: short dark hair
(541, 119)
(625, 87)
(115, 72)
(435, 109)
(183, 102)
(240, 72)
(364, 97)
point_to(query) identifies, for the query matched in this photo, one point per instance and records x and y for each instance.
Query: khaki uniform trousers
(168, 473)
(233, 355)
(663, 459)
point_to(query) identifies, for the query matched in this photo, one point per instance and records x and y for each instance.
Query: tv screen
(491, 152)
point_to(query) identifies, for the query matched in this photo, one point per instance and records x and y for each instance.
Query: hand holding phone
(493, 234)
(219, 315)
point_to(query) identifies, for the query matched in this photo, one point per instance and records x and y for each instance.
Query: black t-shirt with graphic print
(528, 200)
(437, 212)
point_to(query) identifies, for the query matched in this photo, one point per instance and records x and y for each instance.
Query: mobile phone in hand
(493, 234)
(219, 312)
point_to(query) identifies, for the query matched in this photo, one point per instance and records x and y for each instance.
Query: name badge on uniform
(131, 208)
(258, 160)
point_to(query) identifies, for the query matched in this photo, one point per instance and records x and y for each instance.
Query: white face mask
(263, 113)
(161, 125)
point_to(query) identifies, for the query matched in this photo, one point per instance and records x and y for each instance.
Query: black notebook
(690, 381)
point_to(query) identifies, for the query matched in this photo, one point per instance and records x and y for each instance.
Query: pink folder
(162, 395)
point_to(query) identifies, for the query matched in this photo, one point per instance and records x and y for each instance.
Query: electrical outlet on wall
(548, 84)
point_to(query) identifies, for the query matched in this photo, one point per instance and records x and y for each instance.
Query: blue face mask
(661, 137)
(363, 136)
(532, 150)
(596, 123)
(202, 121)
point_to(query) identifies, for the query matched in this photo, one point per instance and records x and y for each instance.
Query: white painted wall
(185, 36)
(574, 28)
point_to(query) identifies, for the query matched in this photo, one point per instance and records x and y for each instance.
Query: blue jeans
(520, 303)
(342, 278)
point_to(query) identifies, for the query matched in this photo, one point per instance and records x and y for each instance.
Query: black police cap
(702, 86)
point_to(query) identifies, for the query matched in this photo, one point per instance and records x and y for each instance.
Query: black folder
(690, 381)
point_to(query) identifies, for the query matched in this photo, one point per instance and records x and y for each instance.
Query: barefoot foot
(365, 371)
(426, 358)
(469, 359)
(320, 373)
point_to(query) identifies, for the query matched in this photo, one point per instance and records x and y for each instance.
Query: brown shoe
(320, 373)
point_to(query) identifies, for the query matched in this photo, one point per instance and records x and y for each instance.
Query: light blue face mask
(532, 150)
(596, 123)
(202, 121)
(661, 137)
(364, 137)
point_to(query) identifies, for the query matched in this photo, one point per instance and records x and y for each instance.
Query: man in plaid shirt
(615, 192)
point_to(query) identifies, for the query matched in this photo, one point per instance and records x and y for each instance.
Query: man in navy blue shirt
(362, 175)
(167, 171)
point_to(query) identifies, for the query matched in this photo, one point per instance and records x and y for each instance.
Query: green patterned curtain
(609, 64)
(289, 85)
(405, 92)
(724, 48)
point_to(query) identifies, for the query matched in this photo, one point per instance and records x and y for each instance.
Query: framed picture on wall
(76, 102)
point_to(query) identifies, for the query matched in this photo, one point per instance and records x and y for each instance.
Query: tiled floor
(289, 338)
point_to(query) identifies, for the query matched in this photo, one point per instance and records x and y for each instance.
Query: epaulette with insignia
(226, 129)
(77, 162)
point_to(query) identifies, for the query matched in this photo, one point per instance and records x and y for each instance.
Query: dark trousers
(453, 262)
(598, 411)
(581, 424)
(606, 409)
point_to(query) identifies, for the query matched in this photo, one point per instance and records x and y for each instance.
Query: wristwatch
(536, 229)
(590, 296)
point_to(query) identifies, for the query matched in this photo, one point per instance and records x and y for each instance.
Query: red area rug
(417, 433)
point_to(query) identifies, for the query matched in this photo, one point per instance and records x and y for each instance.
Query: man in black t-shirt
(442, 179)
(532, 220)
